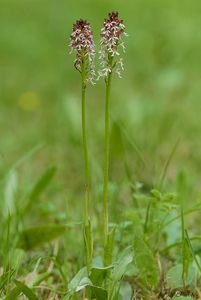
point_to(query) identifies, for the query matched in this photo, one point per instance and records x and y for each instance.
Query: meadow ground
(155, 106)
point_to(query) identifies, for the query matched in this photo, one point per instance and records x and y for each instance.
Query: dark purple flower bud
(81, 41)
(111, 39)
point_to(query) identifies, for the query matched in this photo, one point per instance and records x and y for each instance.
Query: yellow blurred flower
(29, 101)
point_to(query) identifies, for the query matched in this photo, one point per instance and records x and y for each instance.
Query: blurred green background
(156, 102)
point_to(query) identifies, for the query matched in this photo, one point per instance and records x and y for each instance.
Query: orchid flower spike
(111, 40)
(81, 42)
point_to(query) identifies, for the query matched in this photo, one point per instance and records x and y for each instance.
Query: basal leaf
(98, 275)
(74, 283)
(122, 263)
(81, 281)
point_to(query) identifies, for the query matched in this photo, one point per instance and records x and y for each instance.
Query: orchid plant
(81, 42)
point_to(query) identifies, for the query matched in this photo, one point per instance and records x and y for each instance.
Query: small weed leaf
(36, 236)
(145, 262)
(174, 276)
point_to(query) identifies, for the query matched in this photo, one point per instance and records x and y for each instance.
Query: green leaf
(174, 276)
(40, 186)
(84, 282)
(126, 291)
(5, 278)
(81, 281)
(98, 292)
(98, 275)
(25, 290)
(36, 236)
(120, 266)
(145, 262)
(75, 282)
(13, 294)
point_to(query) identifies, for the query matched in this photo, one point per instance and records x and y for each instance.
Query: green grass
(155, 104)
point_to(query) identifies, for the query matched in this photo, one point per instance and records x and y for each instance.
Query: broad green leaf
(98, 275)
(74, 283)
(174, 276)
(145, 262)
(25, 290)
(81, 281)
(98, 292)
(120, 266)
(36, 236)
(84, 282)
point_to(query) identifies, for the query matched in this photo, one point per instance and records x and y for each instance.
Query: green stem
(87, 224)
(106, 167)
(86, 156)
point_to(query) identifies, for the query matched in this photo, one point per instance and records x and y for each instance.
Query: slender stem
(86, 157)
(106, 167)
(87, 224)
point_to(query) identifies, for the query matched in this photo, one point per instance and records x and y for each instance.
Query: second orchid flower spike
(111, 41)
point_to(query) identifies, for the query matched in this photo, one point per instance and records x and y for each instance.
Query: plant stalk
(86, 157)
(106, 165)
(87, 224)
